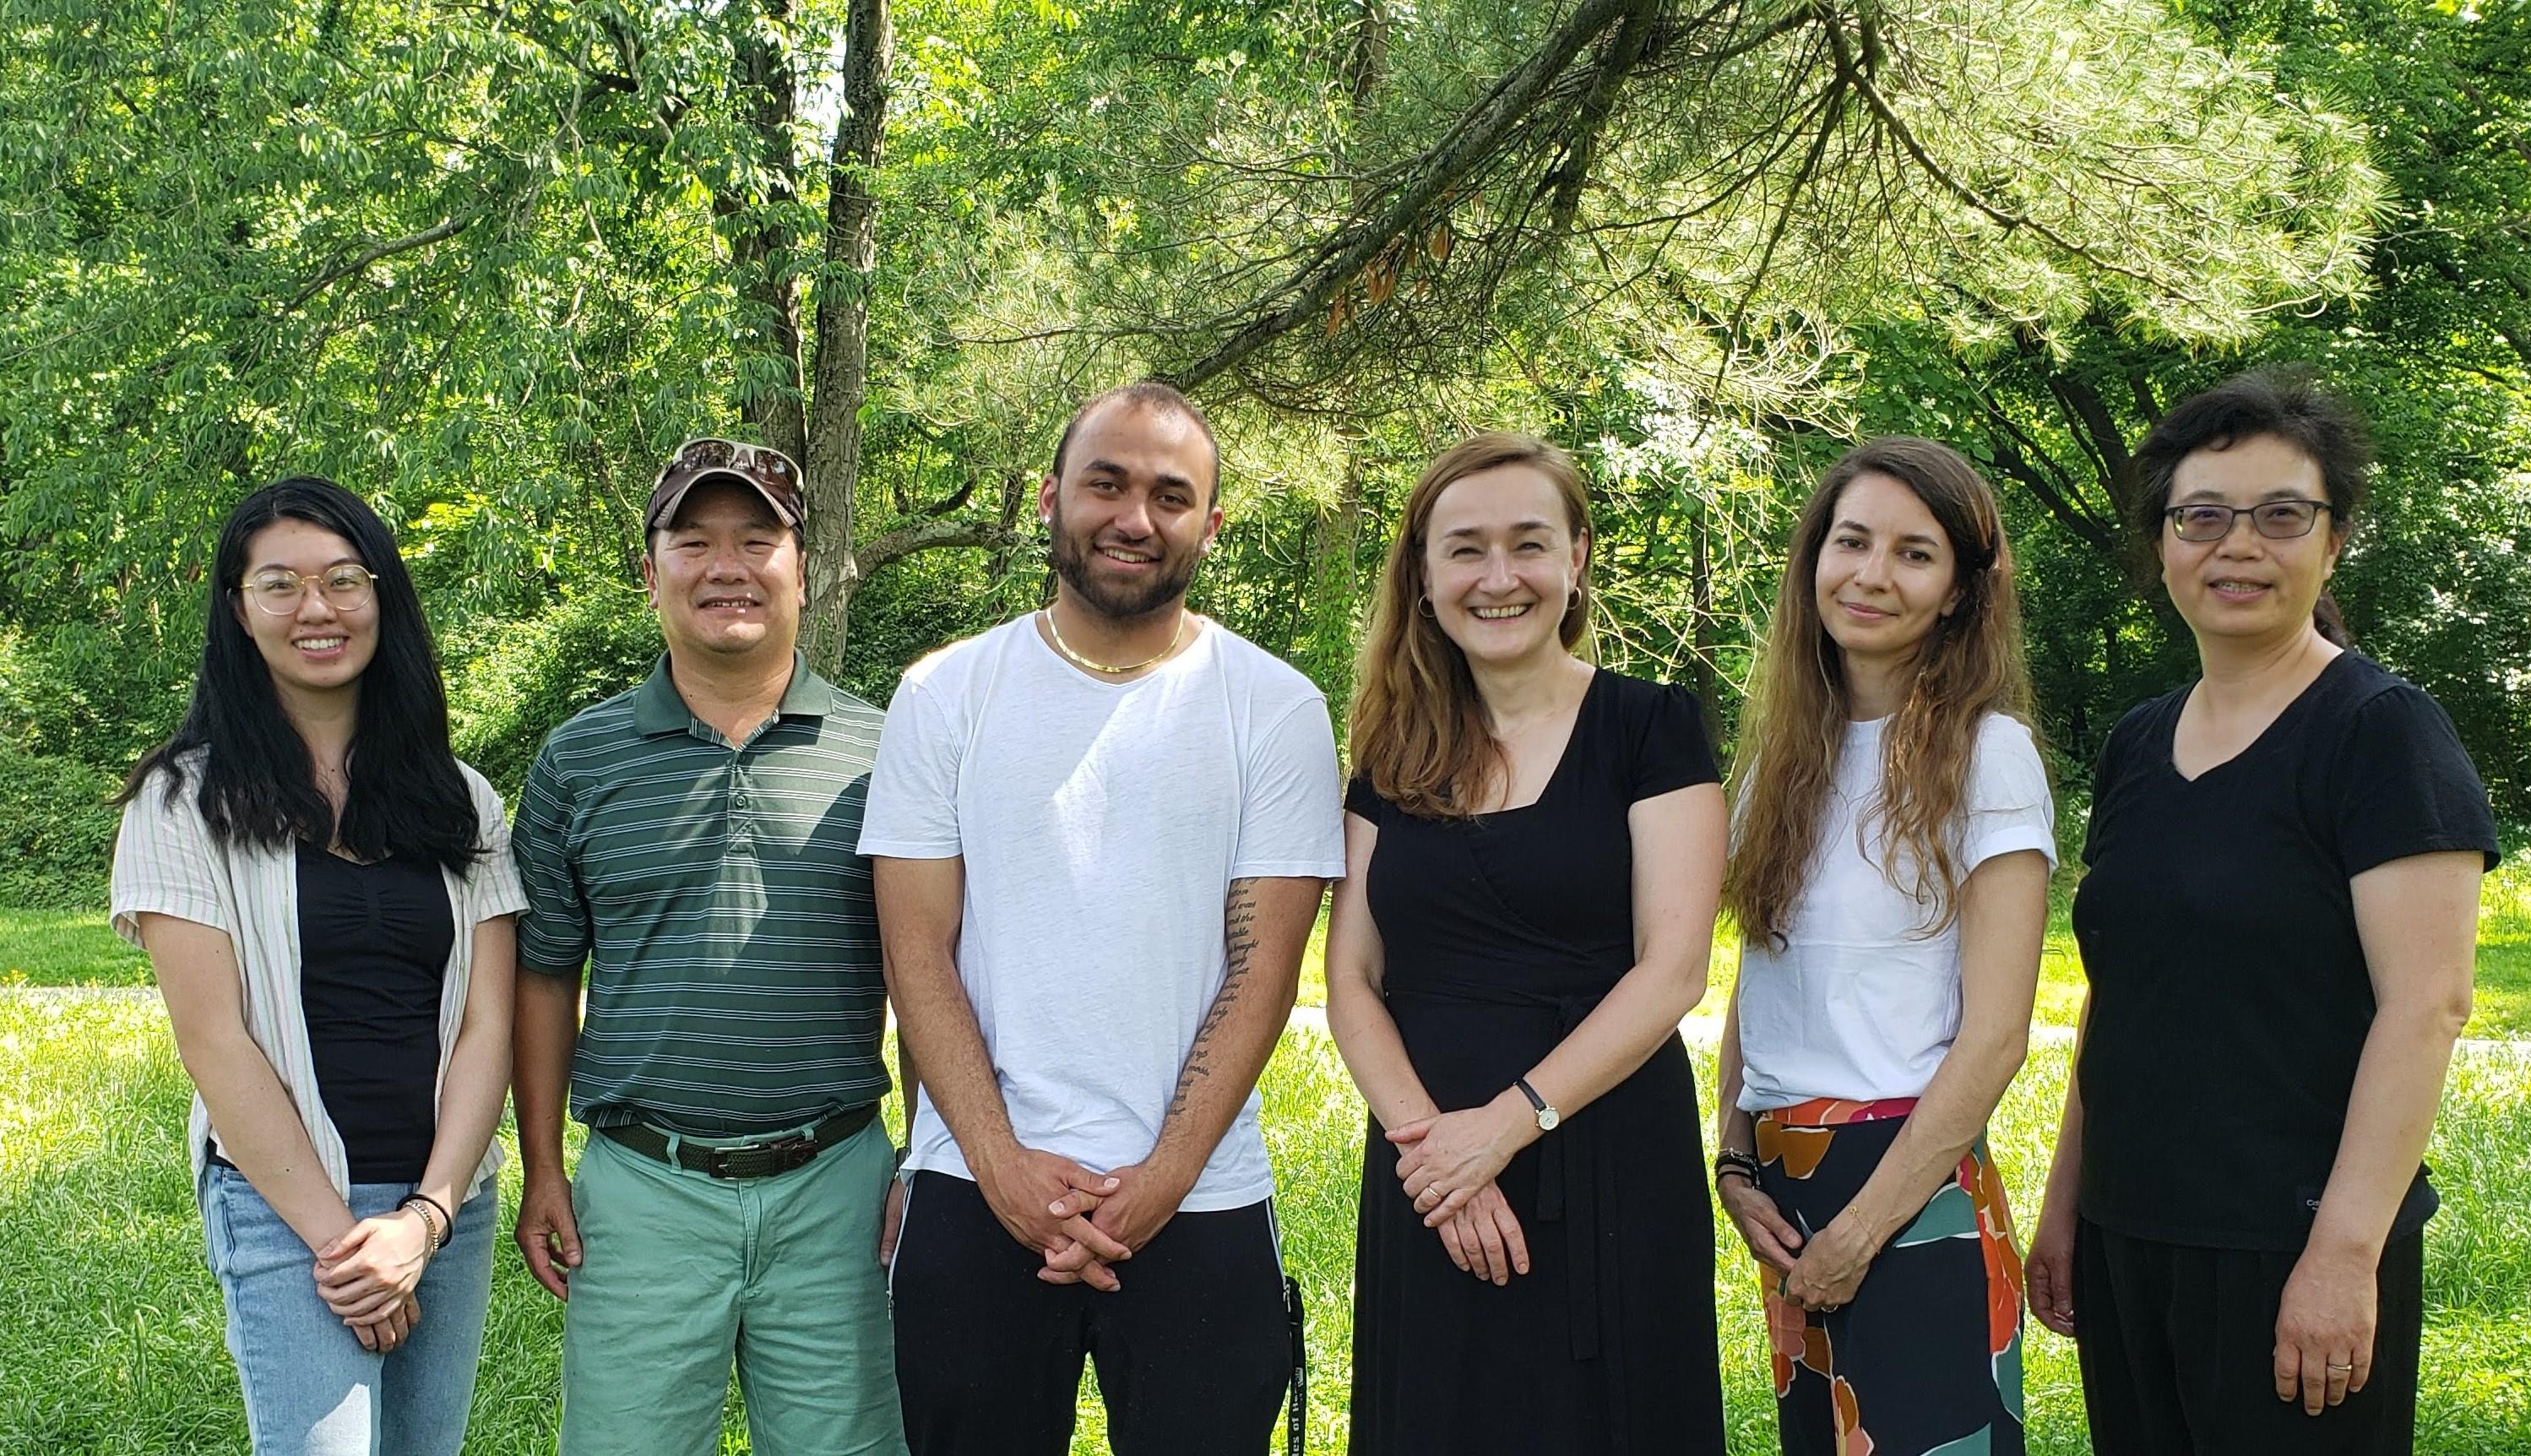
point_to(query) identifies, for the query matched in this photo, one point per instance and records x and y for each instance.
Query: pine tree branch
(1475, 139)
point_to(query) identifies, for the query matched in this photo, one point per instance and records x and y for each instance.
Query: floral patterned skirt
(1926, 1359)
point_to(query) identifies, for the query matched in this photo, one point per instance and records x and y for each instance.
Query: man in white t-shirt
(1100, 834)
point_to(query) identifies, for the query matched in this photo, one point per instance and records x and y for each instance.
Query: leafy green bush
(56, 830)
(91, 693)
(512, 683)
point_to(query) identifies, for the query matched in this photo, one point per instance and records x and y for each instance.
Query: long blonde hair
(1418, 730)
(1969, 666)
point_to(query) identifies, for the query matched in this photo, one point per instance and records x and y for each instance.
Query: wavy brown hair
(1968, 666)
(1418, 730)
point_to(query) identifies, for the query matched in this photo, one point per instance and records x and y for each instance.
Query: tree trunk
(834, 444)
(1335, 587)
(764, 244)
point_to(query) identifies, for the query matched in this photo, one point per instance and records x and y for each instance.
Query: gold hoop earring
(1423, 607)
(1575, 600)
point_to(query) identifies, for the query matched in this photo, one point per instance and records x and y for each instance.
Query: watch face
(1548, 1118)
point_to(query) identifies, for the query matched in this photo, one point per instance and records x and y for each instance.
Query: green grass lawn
(66, 947)
(2503, 993)
(52, 947)
(113, 1341)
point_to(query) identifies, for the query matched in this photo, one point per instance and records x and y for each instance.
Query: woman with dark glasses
(326, 894)
(2278, 927)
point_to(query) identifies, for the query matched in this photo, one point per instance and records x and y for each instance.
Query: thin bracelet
(446, 1219)
(441, 1227)
(426, 1210)
(1734, 1170)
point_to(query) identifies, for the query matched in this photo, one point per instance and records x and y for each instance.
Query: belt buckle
(761, 1160)
(793, 1151)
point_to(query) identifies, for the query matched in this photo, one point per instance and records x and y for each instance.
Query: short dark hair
(2286, 401)
(1157, 395)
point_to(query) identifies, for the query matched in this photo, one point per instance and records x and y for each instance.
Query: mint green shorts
(681, 1273)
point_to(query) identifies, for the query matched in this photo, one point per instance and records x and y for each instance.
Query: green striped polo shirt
(714, 891)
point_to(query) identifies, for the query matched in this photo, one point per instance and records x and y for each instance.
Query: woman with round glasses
(326, 896)
(2278, 926)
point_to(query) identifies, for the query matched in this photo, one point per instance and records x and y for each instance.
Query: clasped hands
(369, 1275)
(1821, 1272)
(1085, 1223)
(1448, 1163)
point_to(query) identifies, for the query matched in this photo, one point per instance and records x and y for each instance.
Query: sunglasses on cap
(770, 472)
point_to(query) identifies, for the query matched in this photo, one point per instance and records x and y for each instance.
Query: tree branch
(439, 232)
(1471, 143)
(931, 536)
(1574, 169)
(2005, 457)
(1859, 77)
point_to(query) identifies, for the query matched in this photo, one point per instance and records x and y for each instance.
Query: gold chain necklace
(1077, 660)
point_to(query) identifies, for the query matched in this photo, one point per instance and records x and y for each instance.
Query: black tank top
(373, 944)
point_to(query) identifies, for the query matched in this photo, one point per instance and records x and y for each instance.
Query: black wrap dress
(1498, 937)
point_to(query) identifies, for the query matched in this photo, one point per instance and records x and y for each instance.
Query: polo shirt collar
(660, 708)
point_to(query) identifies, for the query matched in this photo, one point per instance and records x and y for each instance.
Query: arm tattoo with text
(1239, 935)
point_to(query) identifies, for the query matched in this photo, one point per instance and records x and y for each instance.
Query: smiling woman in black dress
(1534, 849)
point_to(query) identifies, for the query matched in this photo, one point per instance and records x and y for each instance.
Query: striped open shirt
(167, 861)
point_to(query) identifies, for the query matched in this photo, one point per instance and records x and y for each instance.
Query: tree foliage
(487, 262)
(2437, 582)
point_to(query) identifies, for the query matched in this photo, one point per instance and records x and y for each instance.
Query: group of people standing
(1082, 853)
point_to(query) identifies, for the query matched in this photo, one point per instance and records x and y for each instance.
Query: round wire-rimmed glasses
(346, 589)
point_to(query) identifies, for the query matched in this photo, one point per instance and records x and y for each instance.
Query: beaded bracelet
(1733, 1160)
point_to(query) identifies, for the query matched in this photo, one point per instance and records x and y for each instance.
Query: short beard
(1072, 564)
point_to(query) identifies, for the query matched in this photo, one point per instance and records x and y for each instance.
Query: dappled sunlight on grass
(115, 1343)
(114, 1340)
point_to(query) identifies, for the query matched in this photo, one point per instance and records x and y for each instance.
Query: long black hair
(2285, 401)
(405, 796)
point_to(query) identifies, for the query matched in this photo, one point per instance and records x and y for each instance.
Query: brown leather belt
(744, 1160)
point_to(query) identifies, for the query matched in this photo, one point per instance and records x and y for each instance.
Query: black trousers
(1194, 1353)
(2179, 1351)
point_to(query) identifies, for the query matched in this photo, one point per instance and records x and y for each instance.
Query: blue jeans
(310, 1388)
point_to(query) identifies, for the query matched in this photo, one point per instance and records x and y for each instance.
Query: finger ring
(2336, 1368)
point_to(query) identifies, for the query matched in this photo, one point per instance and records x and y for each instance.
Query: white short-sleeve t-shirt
(1860, 1003)
(1101, 824)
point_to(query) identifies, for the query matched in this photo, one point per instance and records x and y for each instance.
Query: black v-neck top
(373, 944)
(1545, 892)
(2230, 996)
(1498, 936)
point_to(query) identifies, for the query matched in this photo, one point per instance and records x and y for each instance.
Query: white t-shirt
(1101, 824)
(1860, 1003)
